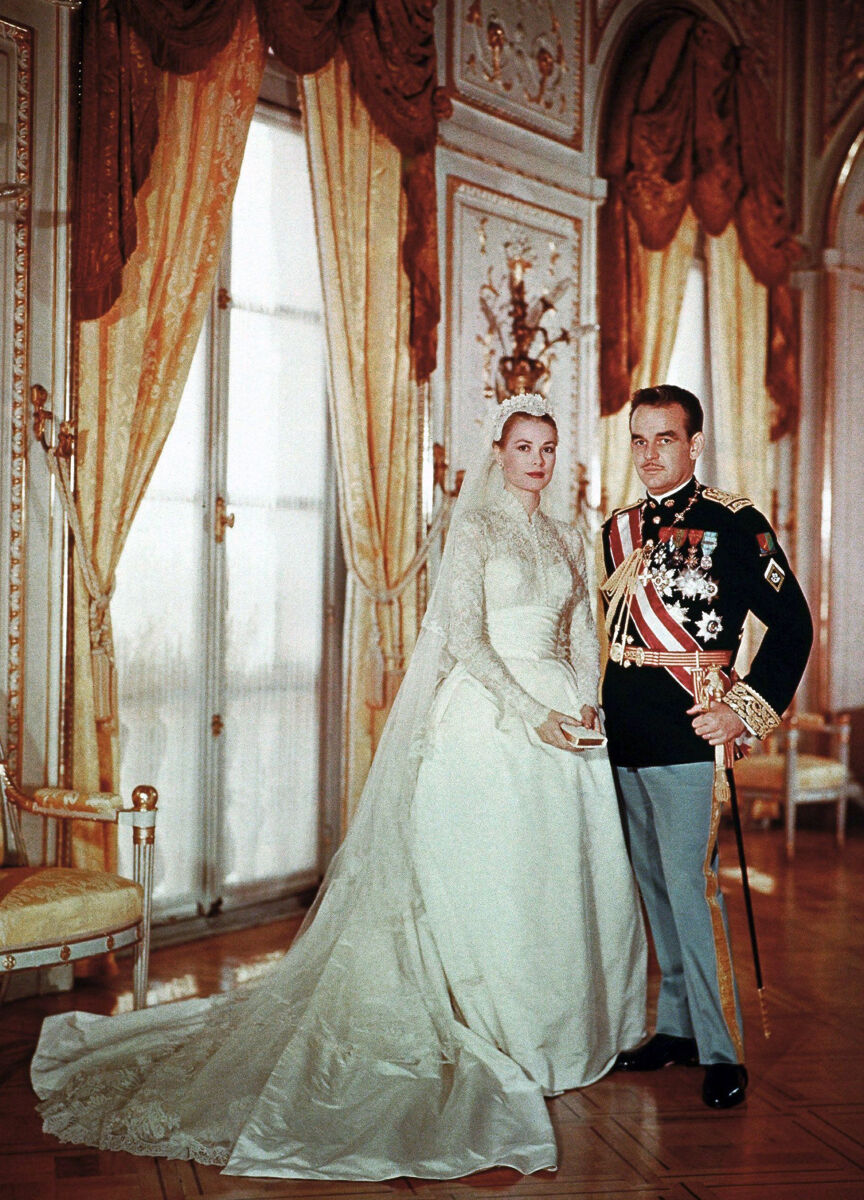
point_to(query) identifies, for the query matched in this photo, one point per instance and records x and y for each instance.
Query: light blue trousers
(671, 825)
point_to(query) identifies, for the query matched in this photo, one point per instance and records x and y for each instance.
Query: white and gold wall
(517, 179)
(34, 333)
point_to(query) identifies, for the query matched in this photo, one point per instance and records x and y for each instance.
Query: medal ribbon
(652, 620)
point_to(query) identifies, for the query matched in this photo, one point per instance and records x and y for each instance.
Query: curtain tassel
(102, 664)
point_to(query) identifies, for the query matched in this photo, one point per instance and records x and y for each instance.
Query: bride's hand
(552, 734)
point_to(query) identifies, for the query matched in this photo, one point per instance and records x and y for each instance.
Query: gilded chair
(791, 778)
(56, 914)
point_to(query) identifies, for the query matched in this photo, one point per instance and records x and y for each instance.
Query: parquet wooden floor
(648, 1137)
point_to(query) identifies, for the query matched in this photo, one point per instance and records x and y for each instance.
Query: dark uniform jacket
(710, 568)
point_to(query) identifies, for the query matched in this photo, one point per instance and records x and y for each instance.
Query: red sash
(650, 616)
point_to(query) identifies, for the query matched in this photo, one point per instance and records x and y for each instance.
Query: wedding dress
(477, 944)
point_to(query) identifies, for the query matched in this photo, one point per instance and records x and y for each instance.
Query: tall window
(220, 613)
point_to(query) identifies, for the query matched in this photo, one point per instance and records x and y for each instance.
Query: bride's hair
(508, 424)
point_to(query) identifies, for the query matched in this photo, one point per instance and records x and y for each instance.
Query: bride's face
(526, 455)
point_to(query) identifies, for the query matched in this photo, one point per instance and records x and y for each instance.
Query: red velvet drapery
(390, 47)
(692, 124)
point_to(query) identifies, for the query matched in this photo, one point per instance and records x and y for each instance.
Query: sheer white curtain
(233, 629)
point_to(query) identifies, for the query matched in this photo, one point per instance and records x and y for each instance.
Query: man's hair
(664, 394)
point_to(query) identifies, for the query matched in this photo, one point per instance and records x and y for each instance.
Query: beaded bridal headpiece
(531, 403)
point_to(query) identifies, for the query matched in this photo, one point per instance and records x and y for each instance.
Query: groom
(684, 566)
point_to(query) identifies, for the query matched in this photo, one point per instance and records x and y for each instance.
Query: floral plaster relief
(521, 59)
(503, 248)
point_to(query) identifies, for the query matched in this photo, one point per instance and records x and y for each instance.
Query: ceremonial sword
(724, 790)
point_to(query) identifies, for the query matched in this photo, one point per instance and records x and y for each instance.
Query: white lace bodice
(504, 559)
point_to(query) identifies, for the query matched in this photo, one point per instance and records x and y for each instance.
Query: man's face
(663, 454)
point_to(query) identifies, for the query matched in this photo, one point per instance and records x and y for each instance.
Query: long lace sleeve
(584, 647)
(468, 640)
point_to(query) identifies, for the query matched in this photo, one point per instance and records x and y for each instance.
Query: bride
(476, 945)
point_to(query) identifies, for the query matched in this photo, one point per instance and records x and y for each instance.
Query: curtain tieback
(101, 641)
(382, 670)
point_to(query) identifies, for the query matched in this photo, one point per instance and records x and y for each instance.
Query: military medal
(677, 612)
(690, 583)
(663, 579)
(694, 537)
(709, 545)
(708, 626)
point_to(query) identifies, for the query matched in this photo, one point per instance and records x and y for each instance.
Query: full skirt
(434, 1001)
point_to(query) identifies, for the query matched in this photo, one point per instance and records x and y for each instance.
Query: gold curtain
(664, 277)
(360, 215)
(134, 362)
(742, 405)
(738, 321)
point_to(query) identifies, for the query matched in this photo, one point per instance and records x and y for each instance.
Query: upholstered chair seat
(766, 772)
(55, 913)
(37, 901)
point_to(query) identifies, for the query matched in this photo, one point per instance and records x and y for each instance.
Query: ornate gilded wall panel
(520, 59)
(495, 241)
(16, 64)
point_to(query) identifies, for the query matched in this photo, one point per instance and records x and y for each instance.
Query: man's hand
(589, 717)
(718, 725)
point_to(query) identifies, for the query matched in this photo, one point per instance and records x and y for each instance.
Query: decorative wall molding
(521, 60)
(488, 231)
(601, 11)
(16, 47)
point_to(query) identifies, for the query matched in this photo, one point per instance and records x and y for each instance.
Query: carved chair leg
(140, 974)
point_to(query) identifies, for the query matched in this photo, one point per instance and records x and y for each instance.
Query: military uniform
(690, 566)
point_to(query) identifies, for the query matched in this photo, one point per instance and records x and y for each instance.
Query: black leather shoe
(662, 1050)
(725, 1085)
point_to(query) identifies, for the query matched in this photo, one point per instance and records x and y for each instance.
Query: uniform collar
(672, 500)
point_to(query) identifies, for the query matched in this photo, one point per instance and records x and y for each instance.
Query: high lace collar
(512, 505)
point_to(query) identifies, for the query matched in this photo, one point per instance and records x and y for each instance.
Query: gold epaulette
(727, 499)
(624, 508)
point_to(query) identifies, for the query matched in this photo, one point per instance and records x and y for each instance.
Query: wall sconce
(439, 472)
(42, 417)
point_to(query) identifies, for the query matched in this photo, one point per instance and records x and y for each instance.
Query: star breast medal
(708, 626)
